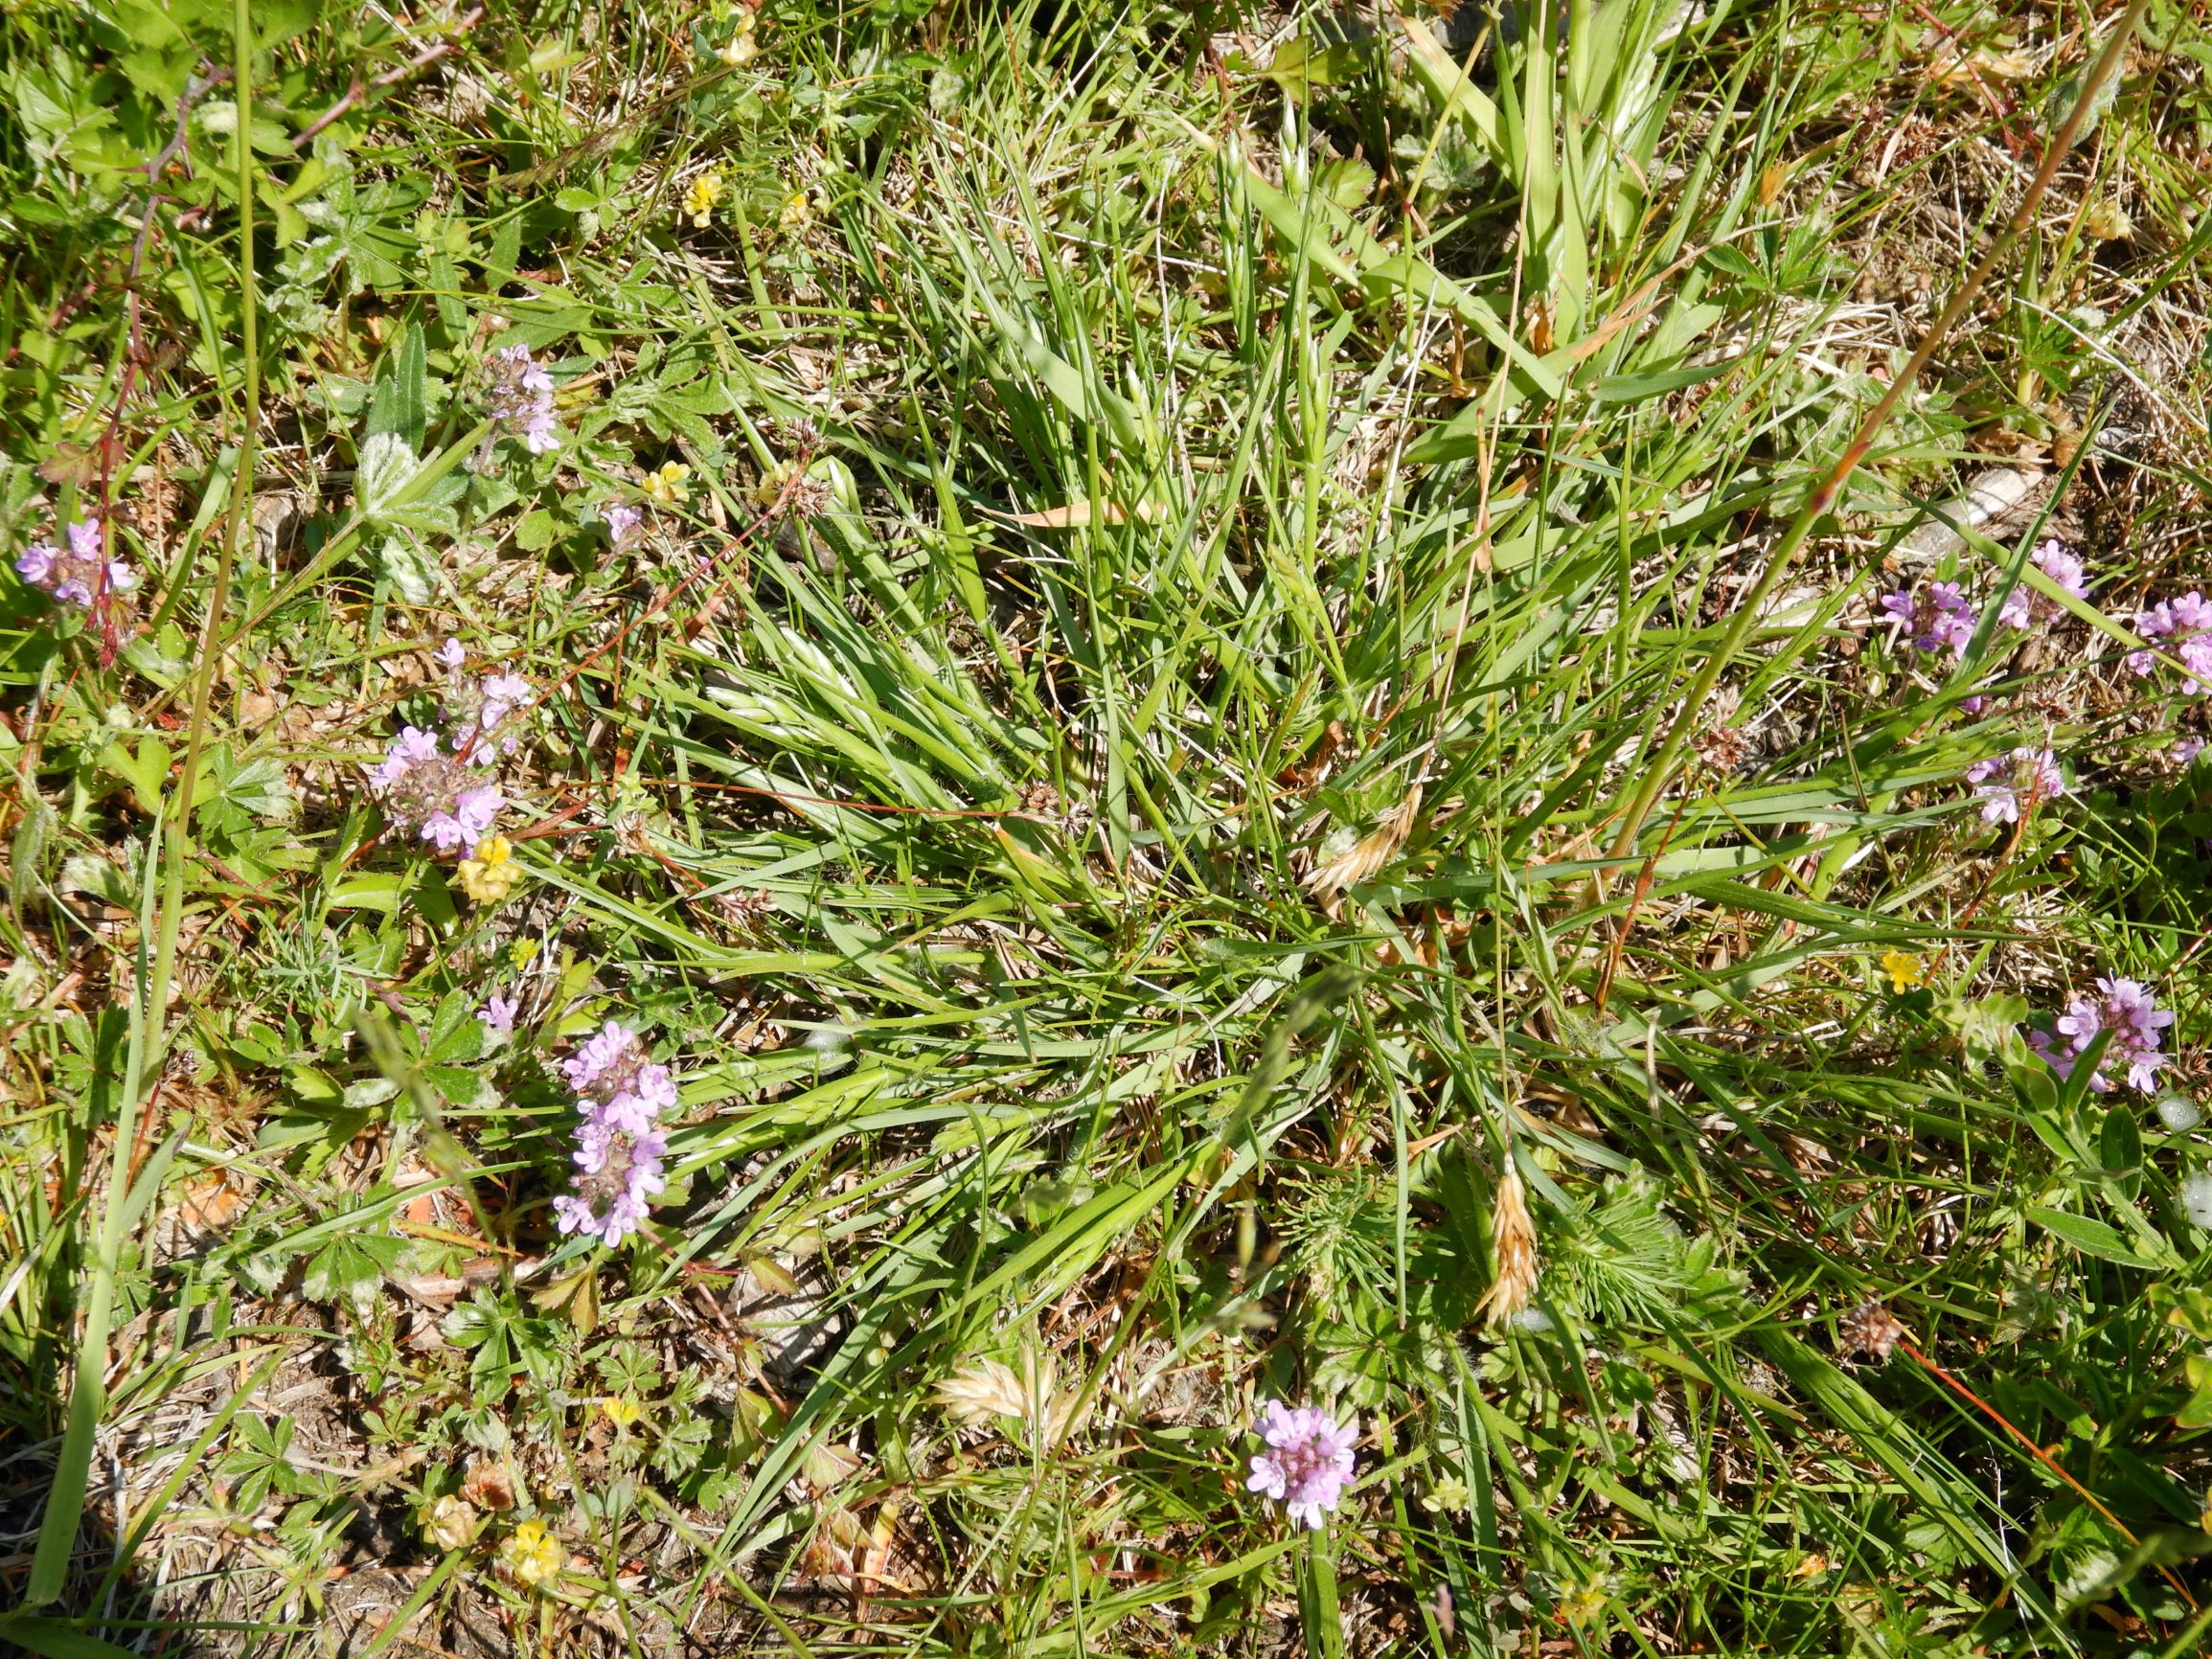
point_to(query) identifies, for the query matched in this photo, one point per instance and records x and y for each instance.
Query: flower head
(619, 1148)
(666, 482)
(621, 521)
(532, 1555)
(2126, 1007)
(699, 199)
(2185, 626)
(520, 398)
(1935, 619)
(2025, 608)
(1308, 1462)
(489, 875)
(450, 655)
(80, 575)
(1905, 971)
(2015, 782)
(499, 1012)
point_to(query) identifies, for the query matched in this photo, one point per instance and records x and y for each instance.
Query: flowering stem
(87, 1398)
(1661, 767)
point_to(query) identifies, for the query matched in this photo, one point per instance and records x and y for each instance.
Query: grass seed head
(1513, 1250)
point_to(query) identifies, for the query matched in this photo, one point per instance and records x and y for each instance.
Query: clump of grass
(1270, 707)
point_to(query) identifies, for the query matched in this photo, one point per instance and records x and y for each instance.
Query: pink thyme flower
(2185, 627)
(621, 521)
(2186, 751)
(499, 1012)
(520, 398)
(451, 654)
(2126, 1008)
(1938, 619)
(2017, 783)
(1308, 1462)
(80, 575)
(2025, 608)
(618, 1146)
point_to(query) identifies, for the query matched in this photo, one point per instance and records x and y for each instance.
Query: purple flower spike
(619, 1146)
(1308, 1462)
(80, 575)
(1936, 620)
(2126, 1007)
(520, 399)
(2185, 626)
(2025, 608)
(2017, 783)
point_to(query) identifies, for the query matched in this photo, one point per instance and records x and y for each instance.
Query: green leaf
(1639, 388)
(399, 408)
(2089, 1237)
(51, 1639)
(537, 531)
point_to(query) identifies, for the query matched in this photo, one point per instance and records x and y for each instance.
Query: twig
(421, 60)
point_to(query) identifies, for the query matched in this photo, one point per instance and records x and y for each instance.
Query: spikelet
(1513, 1248)
(984, 1391)
(981, 1392)
(1328, 882)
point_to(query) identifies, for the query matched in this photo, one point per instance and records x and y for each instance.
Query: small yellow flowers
(796, 210)
(741, 47)
(1905, 971)
(699, 200)
(532, 1555)
(667, 485)
(492, 875)
(1449, 1495)
(524, 952)
(622, 1411)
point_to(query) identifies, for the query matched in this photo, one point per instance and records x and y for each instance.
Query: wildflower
(621, 521)
(666, 484)
(2185, 626)
(532, 1555)
(489, 875)
(80, 575)
(437, 797)
(498, 1013)
(450, 1523)
(1936, 620)
(618, 1147)
(520, 398)
(1449, 1496)
(2186, 751)
(2128, 1009)
(741, 47)
(1905, 971)
(450, 655)
(1308, 1462)
(2015, 782)
(2025, 608)
(622, 1411)
(699, 200)
(796, 210)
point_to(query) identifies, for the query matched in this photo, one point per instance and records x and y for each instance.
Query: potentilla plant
(622, 1095)
(2130, 1010)
(442, 787)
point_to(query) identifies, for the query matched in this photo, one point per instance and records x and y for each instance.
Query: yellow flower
(665, 486)
(523, 953)
(622, 1411)
(741, 47)
(699, 200)
(796, 210)
(532, 1555)
(492, 875)
(1904, 969)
